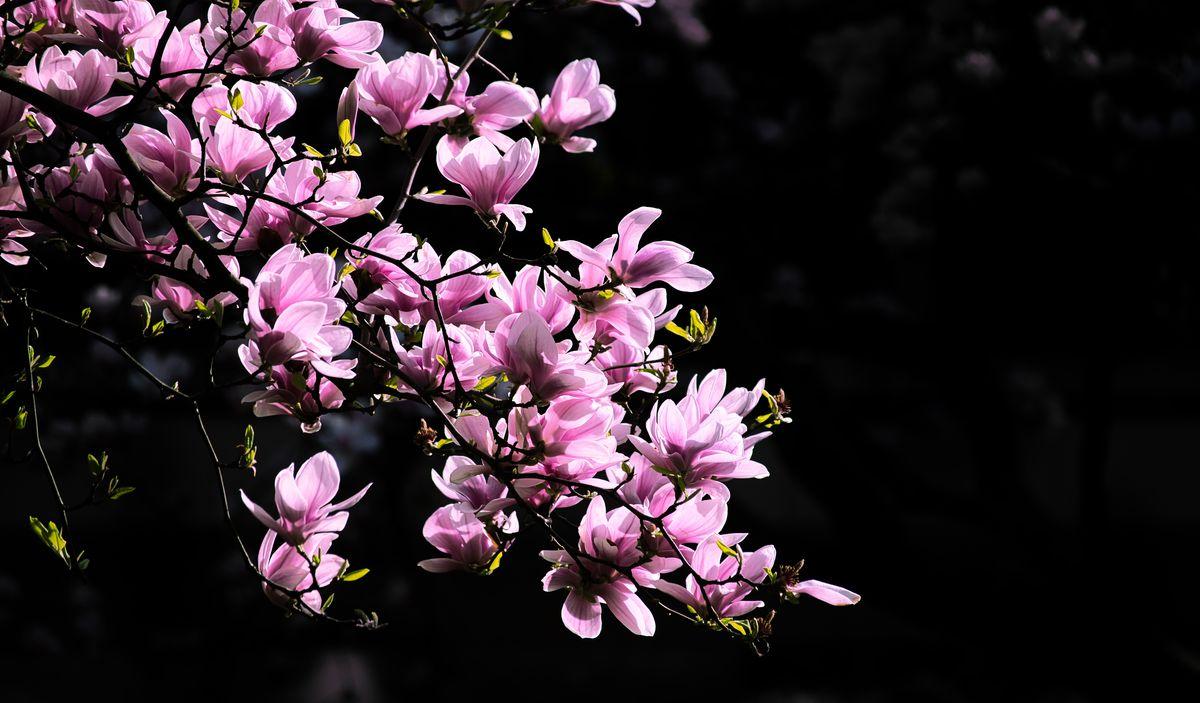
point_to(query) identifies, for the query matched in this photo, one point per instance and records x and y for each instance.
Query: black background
(962, 239)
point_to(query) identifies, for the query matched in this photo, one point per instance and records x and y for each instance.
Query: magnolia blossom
(170, 159)
(182, 60)
(491, 180)
(290, 568)
(701, 439)
(608, 542)
(318, 31)
(79, 80)
(292, 310)
(630, 6)
(237, 152)
(456, 531)
(300, 392)
(712, 563)
(264, 40)
(577, 100)
(117, 24)
(178, 300)
(627, 263)
(303, 498)
(264, 105)
(394, 93)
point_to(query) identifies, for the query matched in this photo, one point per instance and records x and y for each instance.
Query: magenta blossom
(628, 263)
(117, 24)
(459, 534)
(608, 542)
(287, 568)
(170, 159)
(713, 563)
(630, 6)
(394, 93)
(79, 80)
(266, 44)
(491, 180)
(178, 300)
(301, 393)
(237, 152)
(526, 351)
(318, 32)
(824, 592)
(303, 497)
(263, 105)
(701, 439)
(181, 60)
(522, 293)
(292, 310)
(577, 100)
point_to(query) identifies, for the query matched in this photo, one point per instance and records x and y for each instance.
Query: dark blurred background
(961, 235)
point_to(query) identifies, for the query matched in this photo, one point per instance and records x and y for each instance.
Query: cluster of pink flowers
(550, 381)
(307, 525)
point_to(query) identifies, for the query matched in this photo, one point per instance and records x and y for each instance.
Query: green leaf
(328, 602)
(503, 34)
(353, 150)
(236, 101)
(356, 574)
(548, 239)
(345, 133)
(85, 315)
(696, 322)
(312, 151)
(485, 383)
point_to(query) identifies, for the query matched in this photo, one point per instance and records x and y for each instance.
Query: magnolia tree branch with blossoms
(154, 144)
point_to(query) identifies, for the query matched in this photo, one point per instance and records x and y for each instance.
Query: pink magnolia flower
(491, 180)
(631, 366)
(687, 518)
(182, 60)
(700, 439)
(171, 159)
(266, 42)
(425, 364)
(611, 539)
(394, 93)
(576, 437)
(126, 234)
(502, 105)
(116, 24)
(178, 300)
(521, 294)
(13, 125)
(383, 287)
(303, 498)
(265, 228)
(330, 200)
(292, 310)
(52, 15)
(626, 264)
(577, 100)
(630, 6)
(287, 568)
(300, 392)
(456, 531)
(824, 592)
(318, 32)
(79, 80)
(526, 351)
(729, 600)
(264, 105)
(237, 152)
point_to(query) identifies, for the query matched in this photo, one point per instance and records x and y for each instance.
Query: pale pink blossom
(264, 105)
(79, 80)
(303, 498)
(626, 262)
(116, 24)
(394, 93)
(578, 100)
(171, 159)
(285, 567)
(712, 563)
(630, 6)
(456, 531)
(608, 542)
(491, 180)
(318, 31)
